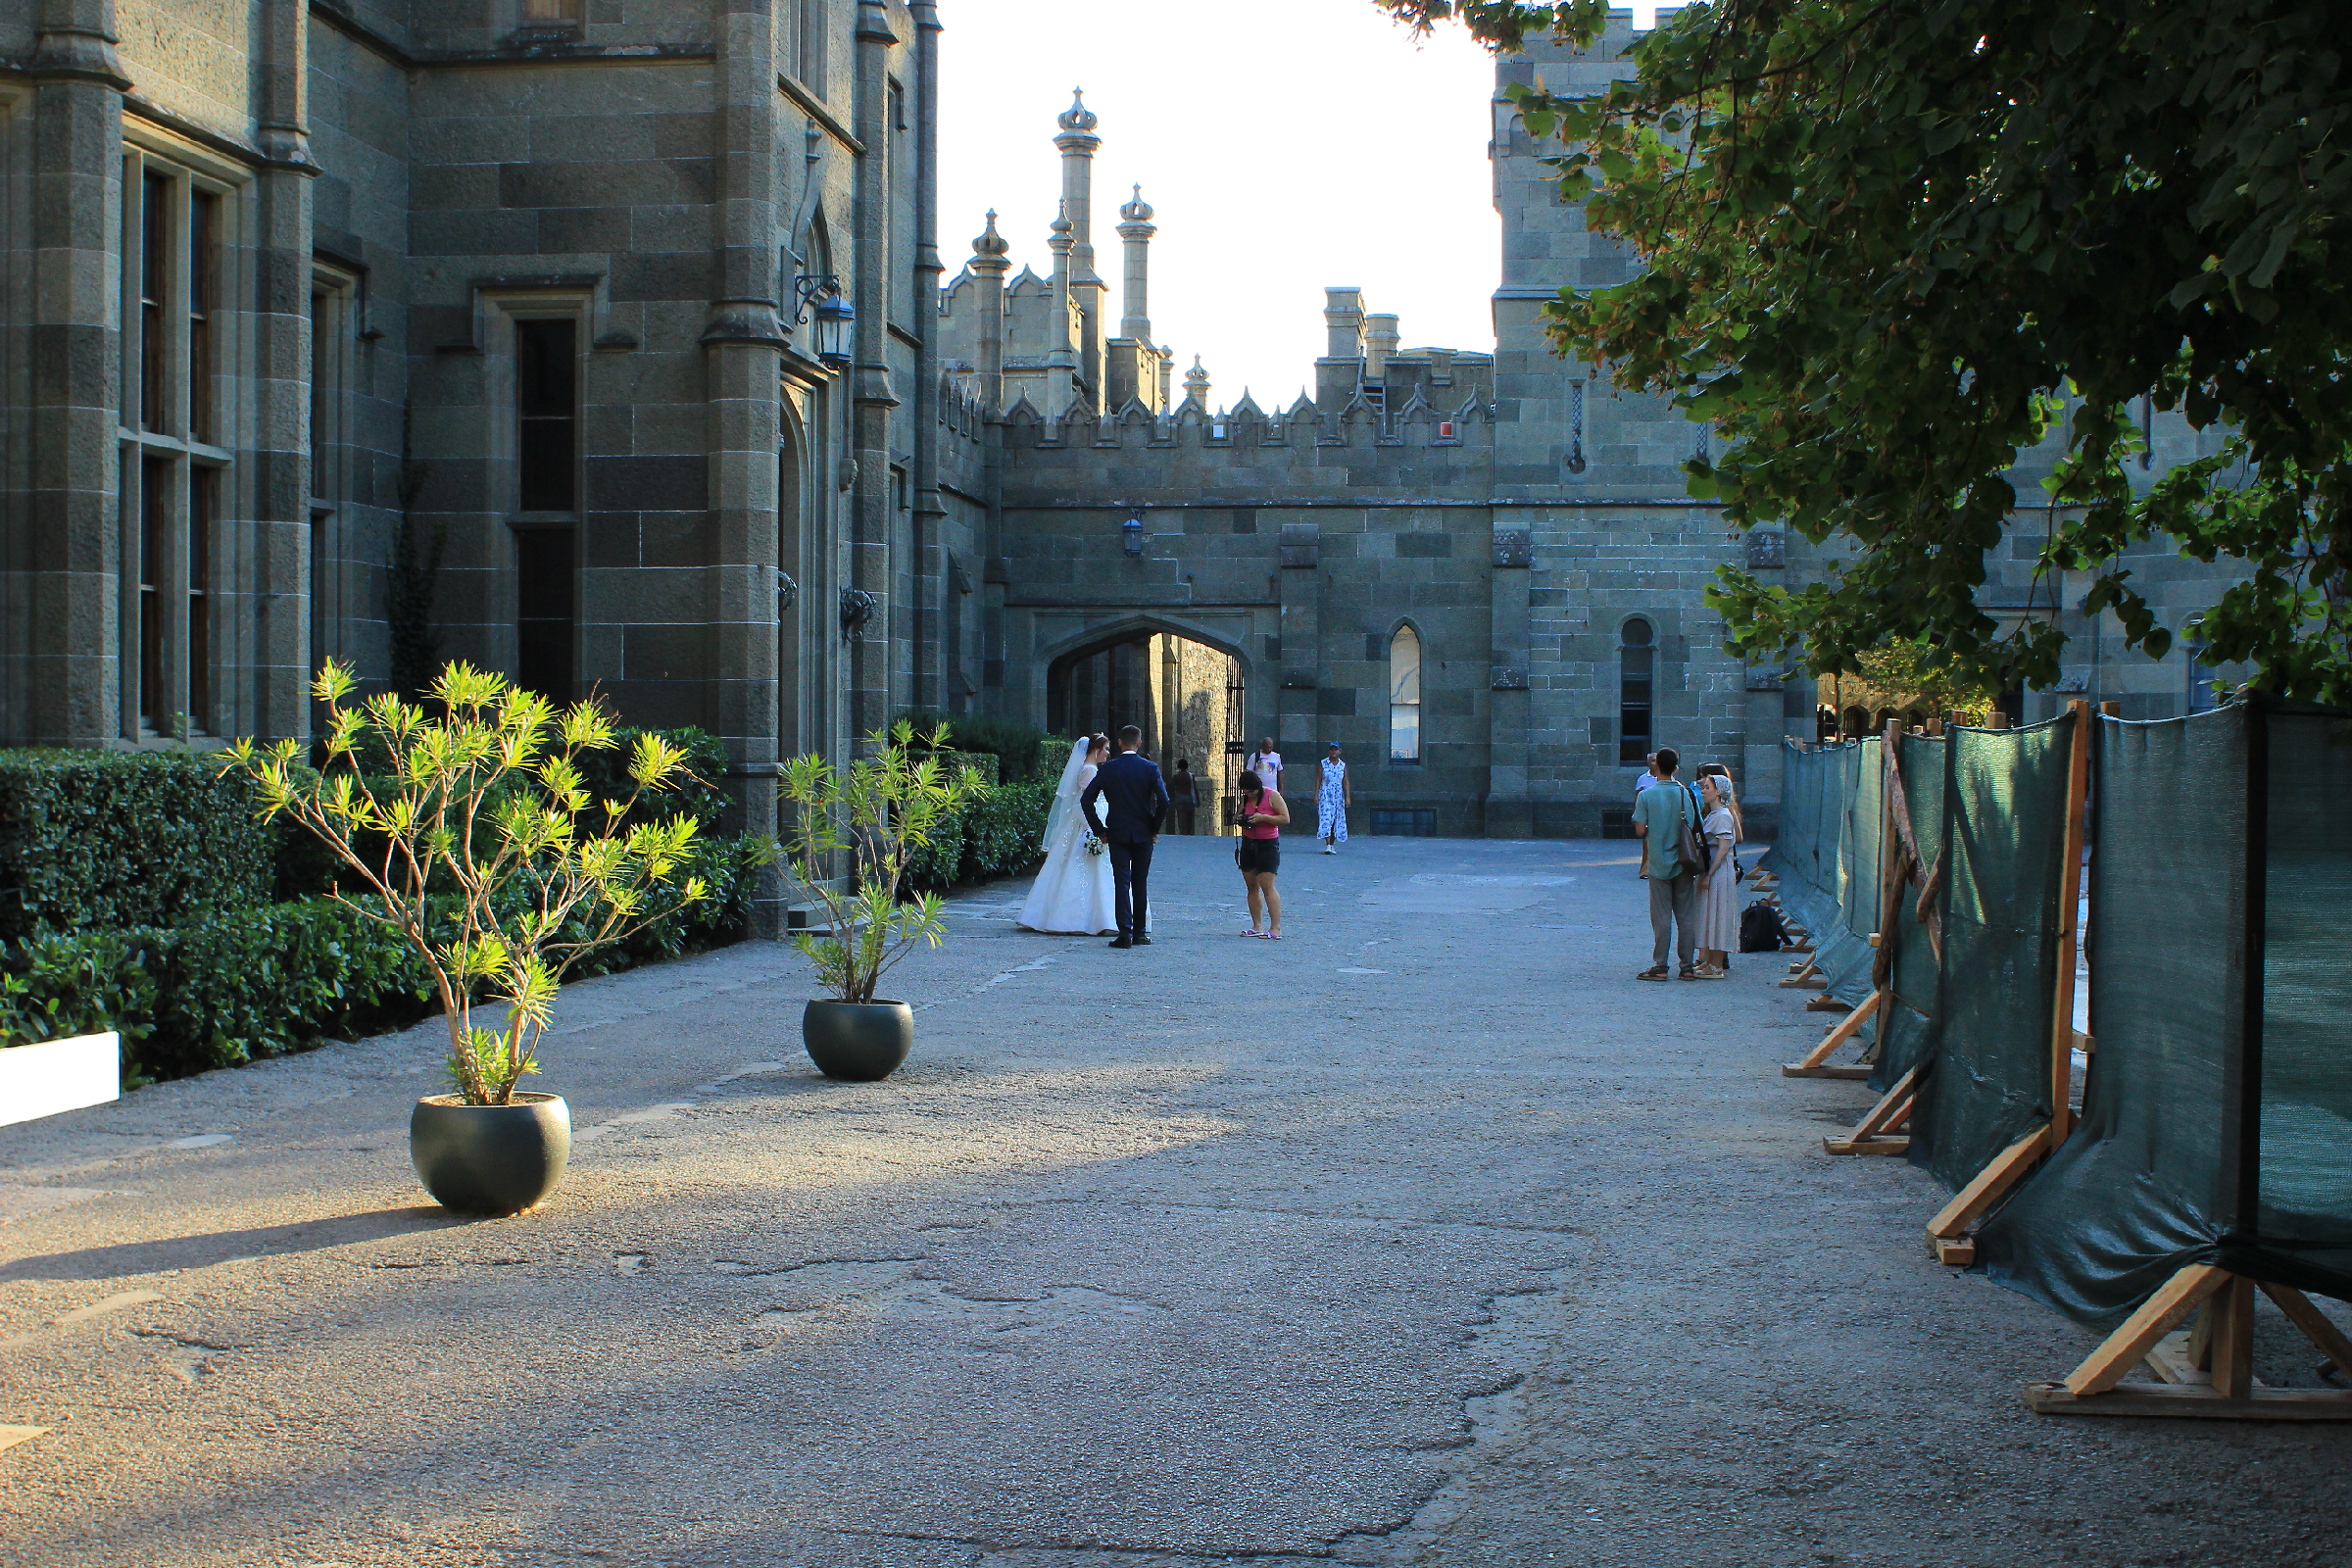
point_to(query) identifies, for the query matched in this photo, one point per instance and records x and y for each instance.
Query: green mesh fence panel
(1987, 1082)
(2303, 1157)
(2216, 1070)
(1908, 1020)
(1842, 940)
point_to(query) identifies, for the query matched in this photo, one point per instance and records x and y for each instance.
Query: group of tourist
(1689, 837)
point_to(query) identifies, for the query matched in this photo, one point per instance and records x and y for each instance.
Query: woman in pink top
(1260, 853)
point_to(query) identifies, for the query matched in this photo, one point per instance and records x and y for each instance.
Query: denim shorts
(1261, 855)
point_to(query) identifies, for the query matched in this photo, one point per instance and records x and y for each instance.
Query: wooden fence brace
(1875, 1133)
(1816, 1062)
(1947, 1231)
(2222, 1340)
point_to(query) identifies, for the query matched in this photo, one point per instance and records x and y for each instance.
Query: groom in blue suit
(1139, 799)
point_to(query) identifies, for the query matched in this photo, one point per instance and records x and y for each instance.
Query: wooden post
(2070, 903)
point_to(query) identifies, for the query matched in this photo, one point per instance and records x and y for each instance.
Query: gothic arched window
(1636, 669)
(1405, 696)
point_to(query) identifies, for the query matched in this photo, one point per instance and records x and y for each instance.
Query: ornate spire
(1058, 241)
(1077, 117)
(1195, 385)
(990, 243)
(1138, 211)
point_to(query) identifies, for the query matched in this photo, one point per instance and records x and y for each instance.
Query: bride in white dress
(1074, 892)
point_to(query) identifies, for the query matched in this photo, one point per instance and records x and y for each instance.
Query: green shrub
(933, 865)
(95, 838)
(236, 986)
(1004, 830)
(1019, 749)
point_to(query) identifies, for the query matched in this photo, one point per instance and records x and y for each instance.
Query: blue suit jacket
(1137, 795)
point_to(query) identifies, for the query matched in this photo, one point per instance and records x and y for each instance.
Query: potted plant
(853, 833)
(500, 870)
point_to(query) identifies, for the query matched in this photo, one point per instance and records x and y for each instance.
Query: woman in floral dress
(1332, 800)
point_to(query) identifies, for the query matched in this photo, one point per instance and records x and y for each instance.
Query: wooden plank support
(1972, 1203)
(1872, 1134)
(2130, 1344)
(1804, 976)
(2314, 1324)
(1813, 1066)
(1961, 1253)
(2194, 1399)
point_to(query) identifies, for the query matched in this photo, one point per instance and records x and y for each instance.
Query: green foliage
(1887, 249)
(1003, 828)
(95, 838)
(855, 832)
(1019, 749)
(486, 801)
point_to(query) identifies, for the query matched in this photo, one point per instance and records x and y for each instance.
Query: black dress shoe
(1121, 941)
(1142, 942)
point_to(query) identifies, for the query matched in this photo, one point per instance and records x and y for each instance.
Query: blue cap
(1332, 744)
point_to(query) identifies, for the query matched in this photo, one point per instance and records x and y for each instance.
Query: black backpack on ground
(1760, 929)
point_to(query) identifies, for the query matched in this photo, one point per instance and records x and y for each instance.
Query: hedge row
(998, 834)
(233, 986)
(92, 838)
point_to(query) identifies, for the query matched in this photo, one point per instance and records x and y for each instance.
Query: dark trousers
(1131, 874)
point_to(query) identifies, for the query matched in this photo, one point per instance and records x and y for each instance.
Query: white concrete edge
(58, 1075)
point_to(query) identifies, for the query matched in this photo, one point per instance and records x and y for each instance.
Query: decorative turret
(989, 265)
(1136, 231)
(1078, 142)
(1196, 386)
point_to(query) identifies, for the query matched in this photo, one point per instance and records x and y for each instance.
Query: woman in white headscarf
(1074, 892)
(1719, 888)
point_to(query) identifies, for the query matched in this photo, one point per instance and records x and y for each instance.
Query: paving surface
(1426, 1236)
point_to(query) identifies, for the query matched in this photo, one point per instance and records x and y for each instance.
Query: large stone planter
(860, 1041)
(60, 1075)
(490, 1159)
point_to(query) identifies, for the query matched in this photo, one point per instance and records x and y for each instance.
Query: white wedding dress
(1074, 892)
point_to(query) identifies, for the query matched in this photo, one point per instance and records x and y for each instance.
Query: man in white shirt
(1266, 764)
(1650, 775)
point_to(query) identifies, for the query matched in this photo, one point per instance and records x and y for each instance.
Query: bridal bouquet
(1092, 843)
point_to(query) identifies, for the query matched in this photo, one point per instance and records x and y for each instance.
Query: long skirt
(1331, 817)
(1719, 910)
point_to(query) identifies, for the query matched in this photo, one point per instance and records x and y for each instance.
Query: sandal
(1689, 972)
(1273, 936)
(1252, 932)
(1658, 973)
(1708, 971)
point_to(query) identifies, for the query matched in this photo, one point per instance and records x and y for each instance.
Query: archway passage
(1185, 696)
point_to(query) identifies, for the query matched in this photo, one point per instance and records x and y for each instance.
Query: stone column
(1301, 639)
(1509, 811)
(931, 652)
(743, 344)
(1379, 341)
(1134, 317)
(1078, 142)
(988, 265)
(1062, 356)
(870, 390)
(70, 546)
(274, 694)
(1341, 370)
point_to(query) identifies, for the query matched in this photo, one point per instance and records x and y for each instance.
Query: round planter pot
(490, 1159)
(860, 1041)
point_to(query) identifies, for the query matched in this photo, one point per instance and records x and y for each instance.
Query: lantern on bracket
(1132, 533)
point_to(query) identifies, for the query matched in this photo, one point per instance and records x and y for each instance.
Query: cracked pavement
(1426, 1236)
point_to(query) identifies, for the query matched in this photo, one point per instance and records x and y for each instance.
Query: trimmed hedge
(235, 986)
(997, 835)
(97, 838)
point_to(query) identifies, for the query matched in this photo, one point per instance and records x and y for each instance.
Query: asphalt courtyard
(1425, 1235)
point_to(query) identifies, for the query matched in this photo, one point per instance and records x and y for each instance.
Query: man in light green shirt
(1660, 813)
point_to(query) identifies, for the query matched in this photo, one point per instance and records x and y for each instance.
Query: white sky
(1286, 147)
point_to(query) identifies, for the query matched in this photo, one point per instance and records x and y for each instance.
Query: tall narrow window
(546, 414)
(203, 487)
(155, 544)
(202, 284)
(1405, 696)
(543, 611)
(811, 63)
(155, 281)
(1636, 668)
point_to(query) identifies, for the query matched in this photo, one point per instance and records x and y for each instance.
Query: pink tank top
(1260, 830)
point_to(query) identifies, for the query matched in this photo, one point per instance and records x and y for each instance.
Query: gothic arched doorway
(1186, 697)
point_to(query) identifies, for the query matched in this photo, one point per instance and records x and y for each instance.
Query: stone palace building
(611, 345)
